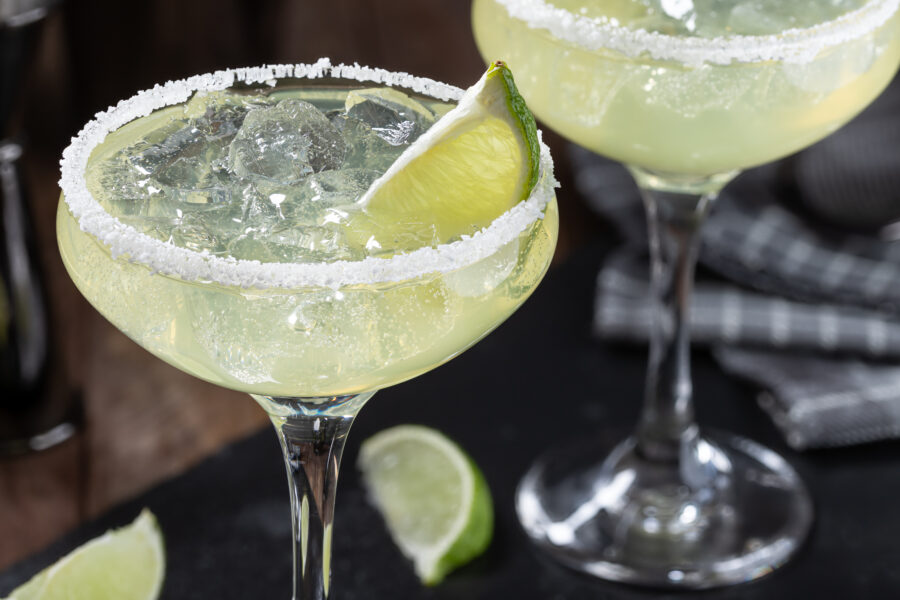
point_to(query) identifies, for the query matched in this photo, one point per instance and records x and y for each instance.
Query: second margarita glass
(686, 94)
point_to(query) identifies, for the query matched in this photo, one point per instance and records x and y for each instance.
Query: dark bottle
(37, 408)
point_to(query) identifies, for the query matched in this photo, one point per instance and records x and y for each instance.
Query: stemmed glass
(686, 106)
(311, 342)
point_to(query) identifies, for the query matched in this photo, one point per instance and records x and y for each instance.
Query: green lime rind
(474, 539)
(524, 120)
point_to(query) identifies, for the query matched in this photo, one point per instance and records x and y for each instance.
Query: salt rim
(189, 265)
(795, 46)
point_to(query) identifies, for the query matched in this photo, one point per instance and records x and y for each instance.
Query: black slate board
(538, 380)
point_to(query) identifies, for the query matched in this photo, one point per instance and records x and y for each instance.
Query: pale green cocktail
(273, 340)
(218, 221)
(684, 112)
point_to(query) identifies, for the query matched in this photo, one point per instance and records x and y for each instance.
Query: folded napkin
(725, 313)
(820, 402)
(815, 400)
(806, 309)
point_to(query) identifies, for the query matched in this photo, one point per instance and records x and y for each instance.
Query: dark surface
(537, 381)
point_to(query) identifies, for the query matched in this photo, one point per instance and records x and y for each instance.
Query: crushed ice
(207, 228)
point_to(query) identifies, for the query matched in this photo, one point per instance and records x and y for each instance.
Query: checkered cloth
(820, 401)
(786, 299)
(724, 313)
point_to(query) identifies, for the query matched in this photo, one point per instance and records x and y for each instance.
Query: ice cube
(221, 113)
(756, 17)
(235, 347)
(365, 148)
(289, 338)
(669, 17)
(126, 180)
(388, 239)
(412, 319)
(208, 228)
(196, 233)
(179, 162)
(681, 11)
(392, 115)
(175, 202)
(285, 142)
(293, 244)
(180, 156)
(203, 197)
(769, 17)
(227, 220)
(484, 276)
(259, 210)
(316, 199)
(117, 186)
(340, 188)
(157, 227)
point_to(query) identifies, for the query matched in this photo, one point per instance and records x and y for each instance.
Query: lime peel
(526, 123)
(389, 461)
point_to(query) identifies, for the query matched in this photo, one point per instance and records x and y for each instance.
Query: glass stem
(312, 432)
(667, 425)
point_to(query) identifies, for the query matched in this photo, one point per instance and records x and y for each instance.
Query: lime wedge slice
(125, 564)
(478, 161)
(433, 497)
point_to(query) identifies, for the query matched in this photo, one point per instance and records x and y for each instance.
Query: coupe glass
(672, 505)
(310, 342)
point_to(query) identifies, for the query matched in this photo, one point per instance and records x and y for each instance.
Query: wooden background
(146, 421)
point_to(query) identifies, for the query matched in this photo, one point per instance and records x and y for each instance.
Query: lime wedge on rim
(124, 564)
(434, 499)
(478, 161)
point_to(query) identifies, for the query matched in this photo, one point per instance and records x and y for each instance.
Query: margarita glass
(311, 341)
(686, 94)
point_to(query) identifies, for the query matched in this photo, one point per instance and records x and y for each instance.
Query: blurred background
(144, 421)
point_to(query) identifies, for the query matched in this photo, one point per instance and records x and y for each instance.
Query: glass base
(739, 512)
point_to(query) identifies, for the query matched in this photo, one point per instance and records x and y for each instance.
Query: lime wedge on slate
(434, 499)
(124, 564)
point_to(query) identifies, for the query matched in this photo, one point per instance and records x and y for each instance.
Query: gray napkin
(724, 313)
(793, 303)
(821, 402)
(815, 400)
(751, 238)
